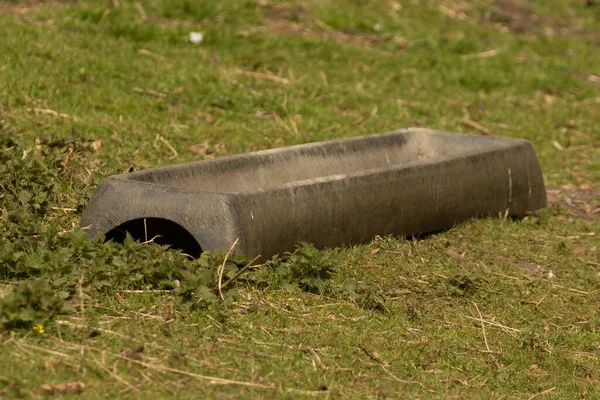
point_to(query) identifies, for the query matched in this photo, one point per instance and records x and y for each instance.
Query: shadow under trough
(159, 230)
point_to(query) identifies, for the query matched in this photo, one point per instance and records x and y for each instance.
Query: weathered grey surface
(330, 193)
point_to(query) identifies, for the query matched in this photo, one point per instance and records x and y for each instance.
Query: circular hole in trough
(159, 230)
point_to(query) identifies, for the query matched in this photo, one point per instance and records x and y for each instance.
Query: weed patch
(32, 302)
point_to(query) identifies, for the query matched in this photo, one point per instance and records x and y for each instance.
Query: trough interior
(280, 167)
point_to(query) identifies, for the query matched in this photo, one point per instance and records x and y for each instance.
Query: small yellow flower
(39, 329)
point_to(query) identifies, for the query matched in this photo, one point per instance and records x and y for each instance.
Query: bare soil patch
(580, 201)
(517, 16)
(530, 270)
(286, 12)
(25, 7)
(520, 17)
(291, 20)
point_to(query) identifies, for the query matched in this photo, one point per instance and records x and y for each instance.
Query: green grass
(493, 308)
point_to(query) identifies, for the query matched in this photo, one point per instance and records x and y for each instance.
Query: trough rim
(500, 143)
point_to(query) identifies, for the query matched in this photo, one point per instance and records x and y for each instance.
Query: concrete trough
(332, 193)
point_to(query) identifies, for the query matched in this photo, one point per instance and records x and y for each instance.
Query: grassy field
(492, 308)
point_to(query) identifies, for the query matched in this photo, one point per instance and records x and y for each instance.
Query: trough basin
(337, 192)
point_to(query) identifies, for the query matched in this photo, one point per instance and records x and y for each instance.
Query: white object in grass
(196, 37)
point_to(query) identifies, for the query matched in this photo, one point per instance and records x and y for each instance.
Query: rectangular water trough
(331, 193)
